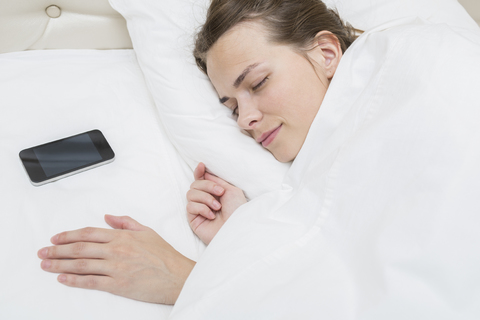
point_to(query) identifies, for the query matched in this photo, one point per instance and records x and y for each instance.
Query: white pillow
(367, 14)
(197, 124)
(200, 128)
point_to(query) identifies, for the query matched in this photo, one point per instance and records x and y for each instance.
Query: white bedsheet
(379, 215)
(47, 95)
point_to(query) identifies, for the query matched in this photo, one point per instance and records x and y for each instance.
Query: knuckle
(52, 251)
(190, 207)
(81, 265)
(91, 282)
(205, 210)
(195, 184)
(212, 187)
(212, 199)
(62, 237)
(57, 266)
(54, 265)
(200, 185)
(86, 233)
(78, 248)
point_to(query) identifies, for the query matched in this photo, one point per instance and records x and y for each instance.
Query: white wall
(473, 8)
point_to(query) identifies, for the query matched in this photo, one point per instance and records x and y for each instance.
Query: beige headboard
(473, 8)
(61, 24)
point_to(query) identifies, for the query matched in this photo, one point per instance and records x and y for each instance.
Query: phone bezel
(36, 172)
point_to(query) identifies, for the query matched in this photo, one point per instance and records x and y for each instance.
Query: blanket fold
(378, 215)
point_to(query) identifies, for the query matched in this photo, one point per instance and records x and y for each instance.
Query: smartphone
(62, 158)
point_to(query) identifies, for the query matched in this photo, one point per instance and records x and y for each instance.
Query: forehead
(244, 44)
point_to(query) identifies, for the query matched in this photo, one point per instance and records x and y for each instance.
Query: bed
(125, 67)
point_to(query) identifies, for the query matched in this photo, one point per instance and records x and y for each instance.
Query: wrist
(180, 268)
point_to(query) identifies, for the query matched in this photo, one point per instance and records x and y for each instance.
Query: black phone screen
(67, 154)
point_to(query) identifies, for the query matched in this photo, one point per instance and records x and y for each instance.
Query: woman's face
(275, 91)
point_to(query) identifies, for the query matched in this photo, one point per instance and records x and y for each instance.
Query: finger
(199, 171)
(75, 266)
(205, 198)
(195, 209)
(222, 183)
(88, 234)
(207, 186)
(196, 222)
(125, 223)
(102, 283)
(73, 251)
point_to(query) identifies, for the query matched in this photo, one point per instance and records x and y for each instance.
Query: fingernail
(62, 278)
(218, 190)
(46, 264)
(212, 215)
(216, 204)
(43, 253)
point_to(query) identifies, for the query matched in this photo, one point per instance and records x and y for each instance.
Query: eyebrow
(240, 79)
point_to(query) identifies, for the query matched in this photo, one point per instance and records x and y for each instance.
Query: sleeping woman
(272, 63)
(273, 71)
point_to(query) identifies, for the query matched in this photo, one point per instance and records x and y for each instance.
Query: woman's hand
(211, 201)
(133, 261)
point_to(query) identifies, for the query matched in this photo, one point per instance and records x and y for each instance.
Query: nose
(248, 115)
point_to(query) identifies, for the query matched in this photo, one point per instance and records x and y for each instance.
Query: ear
(326, 52)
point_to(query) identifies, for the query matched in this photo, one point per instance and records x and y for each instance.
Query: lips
(267, 138)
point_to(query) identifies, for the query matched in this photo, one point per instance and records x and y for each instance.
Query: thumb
(125, 223)
(199, 172)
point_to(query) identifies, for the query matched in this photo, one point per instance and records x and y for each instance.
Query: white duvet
(379, 215)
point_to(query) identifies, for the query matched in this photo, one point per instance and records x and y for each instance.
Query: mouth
(267, 138)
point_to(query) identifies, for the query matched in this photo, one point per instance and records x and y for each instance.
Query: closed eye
(235, 110)
(260, 84)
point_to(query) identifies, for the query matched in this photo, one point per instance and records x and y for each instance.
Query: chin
(284, 158)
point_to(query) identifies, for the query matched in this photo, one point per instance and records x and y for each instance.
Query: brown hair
(289, 22)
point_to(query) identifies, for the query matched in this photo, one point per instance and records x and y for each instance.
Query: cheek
(296, 100)
(274, 100)
(309, 98)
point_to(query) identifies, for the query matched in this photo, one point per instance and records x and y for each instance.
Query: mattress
(51, 94)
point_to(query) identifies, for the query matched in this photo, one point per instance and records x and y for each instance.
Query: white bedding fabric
(162, 37)
(47, 95)
(378, 216)
(367, 14)
(200, 128)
